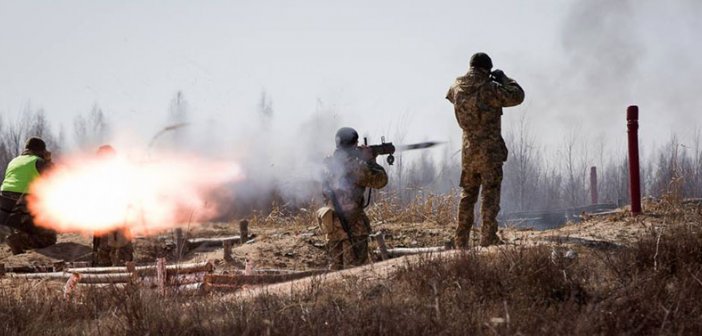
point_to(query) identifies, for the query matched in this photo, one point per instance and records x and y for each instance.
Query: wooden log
(403, 251)
(227, 251)
(53, 275)
(111, 274)
(204, 266)
(216, 241)
(114, 278)
(279, 271)
(244, 230)
(63, 276)
(227, 280)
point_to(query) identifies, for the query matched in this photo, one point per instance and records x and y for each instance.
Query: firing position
(112, 248)
(347, 173)
(478, 98)
(19, 175)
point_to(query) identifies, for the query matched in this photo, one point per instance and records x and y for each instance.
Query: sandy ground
(298, 247)
(609, 232)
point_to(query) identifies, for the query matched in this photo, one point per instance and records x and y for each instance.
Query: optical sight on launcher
(387, 148)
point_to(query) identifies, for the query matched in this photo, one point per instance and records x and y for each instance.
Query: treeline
(89, 130)
(536, 177)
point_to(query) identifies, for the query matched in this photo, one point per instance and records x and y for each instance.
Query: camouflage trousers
(348, 253)
(21, 241)
(25, 235)
(475, 176)
(106, 255)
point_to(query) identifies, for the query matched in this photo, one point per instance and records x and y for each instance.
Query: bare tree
(30, 123)
(521, 171)
(178, 115)
(92, 130)
(265, 110)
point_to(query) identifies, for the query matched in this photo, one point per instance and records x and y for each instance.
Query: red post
(632, 125)
(593, 185)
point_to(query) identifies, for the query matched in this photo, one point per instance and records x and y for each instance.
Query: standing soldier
(347, 173)
(112, 248)
(478, 99)
(19, 175)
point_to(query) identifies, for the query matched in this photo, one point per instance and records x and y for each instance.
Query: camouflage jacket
(347, 176)
(478, 101)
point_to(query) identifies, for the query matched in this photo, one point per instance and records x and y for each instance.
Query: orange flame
(91, 194)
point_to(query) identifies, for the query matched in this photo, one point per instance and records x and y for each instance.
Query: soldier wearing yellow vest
(20, 173)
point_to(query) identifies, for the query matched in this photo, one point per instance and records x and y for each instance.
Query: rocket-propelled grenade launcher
(387, 148)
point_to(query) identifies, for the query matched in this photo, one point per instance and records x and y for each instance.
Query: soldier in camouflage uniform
(19, 175)
(478, 99)
(112, 248)
(347, 173)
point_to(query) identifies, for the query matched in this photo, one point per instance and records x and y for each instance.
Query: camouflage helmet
(346, 137)
(481, 60)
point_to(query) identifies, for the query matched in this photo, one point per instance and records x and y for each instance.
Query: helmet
(346, 137)
(481, 60)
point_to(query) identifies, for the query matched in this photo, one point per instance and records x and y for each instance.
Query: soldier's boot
(336, 254)
(42, 238)
(101, 254)
(359, 250)
(121, 255)
(17, 242)
(126, 253)
(488, 234)
(490, 207)
(462, 239)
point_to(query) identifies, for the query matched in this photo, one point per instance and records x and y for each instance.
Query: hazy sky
(381, 65)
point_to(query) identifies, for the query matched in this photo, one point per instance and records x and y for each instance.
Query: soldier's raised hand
(499, 75)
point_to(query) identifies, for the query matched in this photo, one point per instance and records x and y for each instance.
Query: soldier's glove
(499, 76)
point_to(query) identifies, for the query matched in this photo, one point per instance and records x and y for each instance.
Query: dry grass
(653, 287)
(425, 207)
